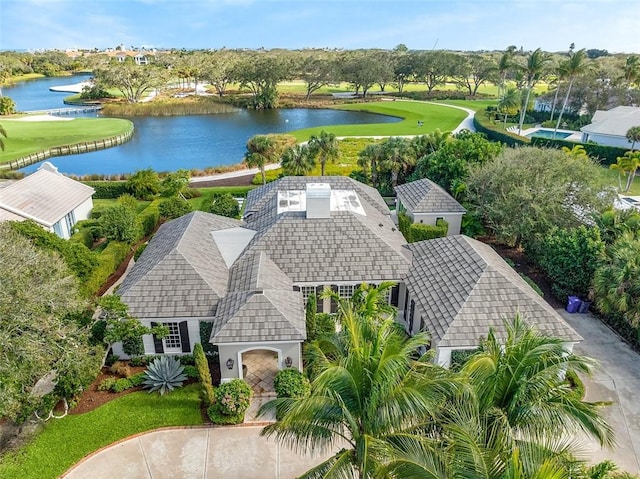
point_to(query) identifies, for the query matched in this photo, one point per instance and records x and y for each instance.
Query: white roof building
(610, 127)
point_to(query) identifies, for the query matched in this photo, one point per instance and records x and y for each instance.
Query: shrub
(461, 356)
(111, 359)
(149, 218)
(121, 385)
(121, 368)
(421, 232)
(108, 262)
(164, 375)
(233, 398)
(137, 379)
(205, 334)
(107, 190)
(107, 384)
(291, 383)
(138, 361)
(511, 139)
(7, 106)
(191, 372)
(187, 360)
(607, 155)
(119, 223)
(144, 184)
(174, 207)
(133, 346)
(224, 204)
(222, 419)
(202, 366)
(97, 332)
(83, 236)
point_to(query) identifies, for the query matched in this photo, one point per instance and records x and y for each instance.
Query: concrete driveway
(618, 380)
(194, 453)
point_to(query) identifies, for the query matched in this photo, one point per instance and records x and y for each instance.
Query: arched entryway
(259, 368)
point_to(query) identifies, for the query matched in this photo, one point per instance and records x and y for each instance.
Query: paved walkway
(193, 453)
(617, 380)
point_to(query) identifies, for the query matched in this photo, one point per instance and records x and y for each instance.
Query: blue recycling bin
(573, 304)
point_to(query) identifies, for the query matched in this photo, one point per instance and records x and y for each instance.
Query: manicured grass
(203, 202)
(611, 176)
(16, 78)
(65, 441)
(433, 116)
(25, 137)
(106, 203)
(476, 105)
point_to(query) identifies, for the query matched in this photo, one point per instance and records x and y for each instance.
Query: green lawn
(476, 105)
(65, 441)
(611, 177)
(25, 137)
(433, 116)
(203, 202)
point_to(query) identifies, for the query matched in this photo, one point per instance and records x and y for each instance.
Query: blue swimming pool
(548, 133)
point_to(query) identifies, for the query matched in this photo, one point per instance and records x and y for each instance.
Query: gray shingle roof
(346, 247)
(615, 122)
(464, 287)
(424, 196)
(44, 196)
(255, 271)
(181, 272)
(250, 316)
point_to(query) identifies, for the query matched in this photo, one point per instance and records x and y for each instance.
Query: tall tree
(575, 65)
(369, 159)
(368, 391)
(261, 72)
(533, 71)
(324, 147)
(297, 161)
(130, 79)
(633, 135)
(260, 150)
(317, 71)
(509, 103)
(397, 156)
(505, 65)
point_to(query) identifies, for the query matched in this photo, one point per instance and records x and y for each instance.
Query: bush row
(414, 232)
(510, 139)
(150, 217)
(106, 190)
(122, 384)
(108, 262)
(607, 155)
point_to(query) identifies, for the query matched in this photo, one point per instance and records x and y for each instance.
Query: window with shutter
(157, 342)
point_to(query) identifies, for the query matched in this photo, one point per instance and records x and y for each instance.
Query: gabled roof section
(181, 272)
(424, 196)
(255, 271)
(45, 196)
(231, 242)
(614, 122)
(464, 288)
(254, 316)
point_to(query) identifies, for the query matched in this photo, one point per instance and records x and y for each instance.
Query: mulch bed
(244, 180)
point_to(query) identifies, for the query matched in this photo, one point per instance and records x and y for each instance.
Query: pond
(170, 143)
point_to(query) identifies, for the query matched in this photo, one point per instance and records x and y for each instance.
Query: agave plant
(164, 374)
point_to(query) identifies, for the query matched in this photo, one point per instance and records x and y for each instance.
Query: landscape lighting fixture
(230, 363)
(288, 362)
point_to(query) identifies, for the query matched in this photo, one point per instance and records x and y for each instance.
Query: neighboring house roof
(258, 316)
(464, 287)
(346, 247)
(182, 272)
(614, 122)
(45, 196)
(424, 196)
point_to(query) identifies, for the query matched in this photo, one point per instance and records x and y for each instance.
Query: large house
(250, 279)
(49, 198)
(610, 127)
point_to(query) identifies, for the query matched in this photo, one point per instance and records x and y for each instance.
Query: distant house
(49, 198)
(425, 202)
(610, 127)
(247, 281)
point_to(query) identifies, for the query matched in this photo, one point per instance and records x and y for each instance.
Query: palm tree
(367, 395)
(509, 103)
(260, 151)
(520, 381)
(574, 66)
(633, 135)
(3, 132)
(325, 147)
(533, 72)
(397, 156)
(616, 283)
(560, 75)
(627, 165)
(631, 70)
(577, 151)
(504, 65)
(430, 143)
(369, 158)
(297, 161)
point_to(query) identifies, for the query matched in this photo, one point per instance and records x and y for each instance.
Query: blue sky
(456, 25)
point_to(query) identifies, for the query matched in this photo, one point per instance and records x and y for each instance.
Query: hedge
(149, 217)
(421, 232)
(83, 236)
(108, 262)
(607, 155)
(510, 139)
(106, 190)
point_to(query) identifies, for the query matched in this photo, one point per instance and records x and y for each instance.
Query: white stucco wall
(83, 211)
(234, 351)
(607, 140)
(454, 220)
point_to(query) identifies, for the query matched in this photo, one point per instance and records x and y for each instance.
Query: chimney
(318, 200)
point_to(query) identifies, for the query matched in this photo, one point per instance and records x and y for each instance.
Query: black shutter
(296, 288)
(319, 300)
(184, 337)
(334, 303)
(413, 310)
(406, 303)
(157, 342)
(395, 292)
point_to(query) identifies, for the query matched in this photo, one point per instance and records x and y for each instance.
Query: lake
(170, 143)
